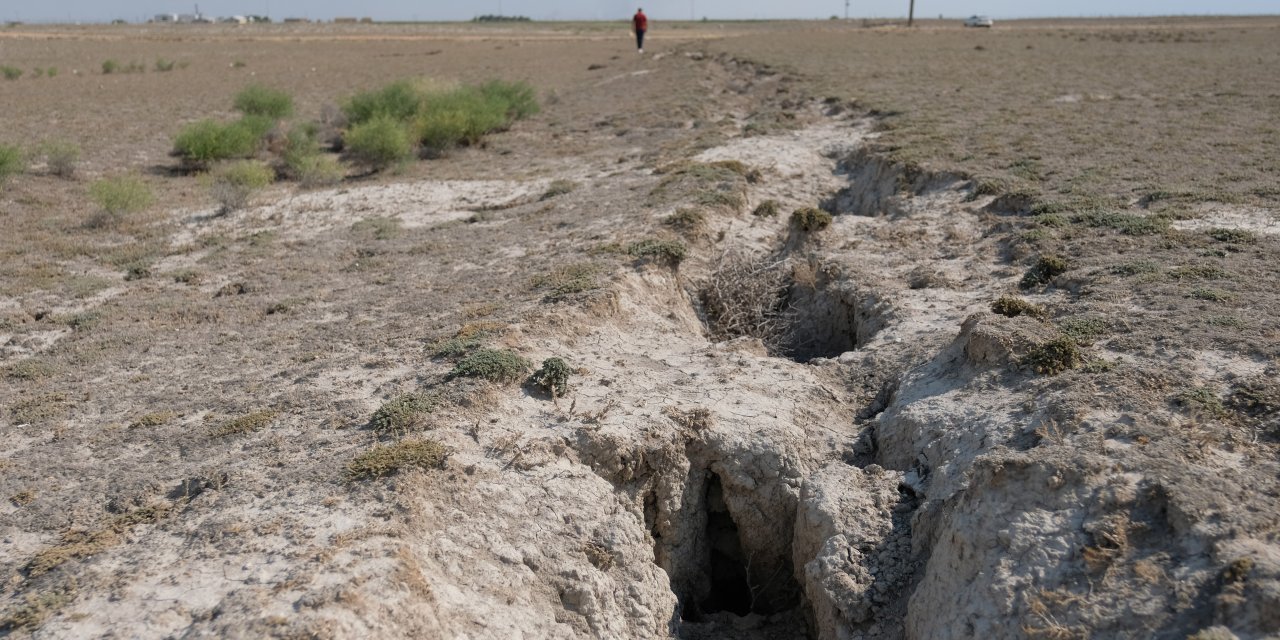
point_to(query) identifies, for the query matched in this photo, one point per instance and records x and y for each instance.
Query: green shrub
(669, 251)
(61, 158)
(1211, 295)
(810, 219)
(1136, 267)
(1012, 307)
(233, 184)
(516, 98)
(1084, 330)
(110, 66)
(493, 365)
(1046, 268)
(1126, 223)
(257, 100)
(469, 338)
(258, 126)
(12, 162)
(11, 73)
(398, 101)
(407, 454)
(209, 141)
(445, 118)
(464, 115)
(553, 377)
(163, 65)
(1201, 401)
(120, 195)
(402, 414)
(442, 130)
(380, 143)
(1233, 236)
(1055, 356)
(767, 209)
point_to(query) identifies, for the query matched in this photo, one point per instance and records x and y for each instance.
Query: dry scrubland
(785, 330)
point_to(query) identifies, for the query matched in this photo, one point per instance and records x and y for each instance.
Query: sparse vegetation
(1046, 268)
(153, 419)
(259, 100)
(232, 185)
(494, 365)
(121, 195)
(668, 252)
(691, 222)
(810, 219)
(1012, 307)
(164, 66)
(568, 280)
(61, 157)
(248, 423)
(380, 228)
(40, 409)
(317, 171)
(553, 377)
(746, 296)
(384, 460)
(1055, 356)
(380, 143)
(1198, 272)
(402, 414)
(558, 188)
(11, 73)
(1201, 401)
(30, 369)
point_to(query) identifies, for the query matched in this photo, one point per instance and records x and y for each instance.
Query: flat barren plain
(780, 330)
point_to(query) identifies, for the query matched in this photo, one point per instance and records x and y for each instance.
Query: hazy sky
(93, 10)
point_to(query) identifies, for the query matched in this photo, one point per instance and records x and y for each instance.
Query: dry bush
(746, 296)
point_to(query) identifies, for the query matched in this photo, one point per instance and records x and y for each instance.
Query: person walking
(639, 25)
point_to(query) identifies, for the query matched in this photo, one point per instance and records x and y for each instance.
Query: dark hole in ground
(726, 564)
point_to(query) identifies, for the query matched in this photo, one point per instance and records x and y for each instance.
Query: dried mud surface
(878, 454)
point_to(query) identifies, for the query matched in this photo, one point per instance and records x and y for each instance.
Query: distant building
(165, 17)
(366, 20)
(234, 20)
(296, 20)
(344, 21)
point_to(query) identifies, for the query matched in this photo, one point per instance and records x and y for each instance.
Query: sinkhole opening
(726, 565)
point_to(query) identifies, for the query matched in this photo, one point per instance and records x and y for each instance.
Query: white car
(979, 21)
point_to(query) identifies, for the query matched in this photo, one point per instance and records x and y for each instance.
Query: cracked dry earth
(883, 464)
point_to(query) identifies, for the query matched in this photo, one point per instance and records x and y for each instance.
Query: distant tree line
(496, 18)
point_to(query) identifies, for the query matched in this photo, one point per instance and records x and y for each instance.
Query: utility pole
(911, 14)
(846, 9)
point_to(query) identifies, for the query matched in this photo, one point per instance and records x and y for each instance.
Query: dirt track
(888, 458)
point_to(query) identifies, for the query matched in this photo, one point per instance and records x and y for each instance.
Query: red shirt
(640, 22)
